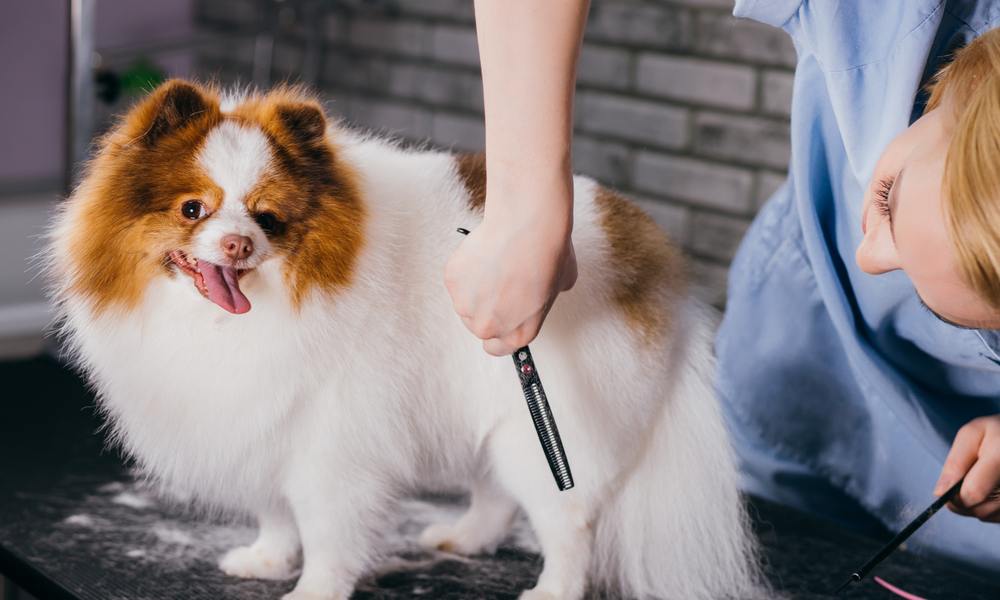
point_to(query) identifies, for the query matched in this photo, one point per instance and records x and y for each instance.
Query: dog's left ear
(302, 123)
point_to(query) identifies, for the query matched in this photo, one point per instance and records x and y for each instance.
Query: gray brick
(767, 183)
(751, 140)
(635, 120)
(641, 23)
(223, 72)
(457, 131)
(287, 61)
(460, 10)
(444, 87)
(608, 162)
(234, 50)
(605, 67)
(776, 92)
(716, 236)
(337, 28)
(721, 34)
(233, 13)
(697, 81)
(673, 219)
(694, 181)
(710, 280)
(455, 45)
(392, 117)
(338, 106)
(397, 37)
(347, 70)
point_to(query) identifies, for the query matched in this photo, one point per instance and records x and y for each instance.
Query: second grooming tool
(901, 537)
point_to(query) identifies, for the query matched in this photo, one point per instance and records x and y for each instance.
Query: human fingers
(520, 337)
(484, 328)
(961, 457)
(979, 490)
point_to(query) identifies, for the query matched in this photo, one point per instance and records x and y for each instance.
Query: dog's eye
(193, 210)
(268, 222)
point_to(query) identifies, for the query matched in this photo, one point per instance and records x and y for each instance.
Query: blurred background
(679, 105)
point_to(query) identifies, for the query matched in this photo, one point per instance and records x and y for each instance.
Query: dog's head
(196, 185)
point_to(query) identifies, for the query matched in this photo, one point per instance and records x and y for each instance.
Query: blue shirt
(842, 391)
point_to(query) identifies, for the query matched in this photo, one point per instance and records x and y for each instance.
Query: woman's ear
(173, 106)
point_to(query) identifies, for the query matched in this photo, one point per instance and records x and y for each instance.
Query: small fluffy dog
(258, 298)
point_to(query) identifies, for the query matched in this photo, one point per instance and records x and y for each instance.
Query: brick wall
(679, 105)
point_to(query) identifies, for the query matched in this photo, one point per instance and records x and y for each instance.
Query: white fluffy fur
(317, 421)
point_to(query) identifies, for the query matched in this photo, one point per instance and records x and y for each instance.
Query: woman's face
(904, 227)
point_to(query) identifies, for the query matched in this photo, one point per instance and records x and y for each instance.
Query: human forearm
(528, 50)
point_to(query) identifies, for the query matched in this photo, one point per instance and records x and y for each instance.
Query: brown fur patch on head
(125, 213)
(125, 216)
(650, 270)
(472, 171)
(313, 192)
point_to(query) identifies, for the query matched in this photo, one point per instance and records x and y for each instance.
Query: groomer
(849, 395)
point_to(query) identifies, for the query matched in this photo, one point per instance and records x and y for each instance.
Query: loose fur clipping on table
(257, 296)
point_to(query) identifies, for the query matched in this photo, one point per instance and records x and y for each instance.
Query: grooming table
(75, 524)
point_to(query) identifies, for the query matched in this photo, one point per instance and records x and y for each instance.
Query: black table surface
(75, 523)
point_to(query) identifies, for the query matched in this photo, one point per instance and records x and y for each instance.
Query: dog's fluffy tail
(676, 527)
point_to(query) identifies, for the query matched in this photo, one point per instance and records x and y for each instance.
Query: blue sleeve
(772, 12)
(845, 34)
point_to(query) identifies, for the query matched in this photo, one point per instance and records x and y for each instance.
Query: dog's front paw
(449, 537)
(537, 594)
(258, 562)
(439, 536)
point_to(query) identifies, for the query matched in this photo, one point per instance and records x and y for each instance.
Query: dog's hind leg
(562, 521)
(481, 528)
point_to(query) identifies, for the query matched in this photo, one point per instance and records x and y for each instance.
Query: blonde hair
(971, 183)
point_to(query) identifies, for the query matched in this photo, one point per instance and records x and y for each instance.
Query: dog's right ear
(172, 107)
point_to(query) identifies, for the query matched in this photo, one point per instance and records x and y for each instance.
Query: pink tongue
(223, 287)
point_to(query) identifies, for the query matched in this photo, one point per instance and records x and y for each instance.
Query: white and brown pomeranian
(257, 296)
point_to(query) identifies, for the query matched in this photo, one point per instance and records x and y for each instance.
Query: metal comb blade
(541, 415)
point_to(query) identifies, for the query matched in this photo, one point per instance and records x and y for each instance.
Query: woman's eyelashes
(882, 189)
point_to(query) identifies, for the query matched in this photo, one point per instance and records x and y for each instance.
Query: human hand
(975, 455)
(506, 274)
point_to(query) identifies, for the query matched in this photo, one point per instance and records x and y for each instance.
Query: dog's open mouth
(218, 283)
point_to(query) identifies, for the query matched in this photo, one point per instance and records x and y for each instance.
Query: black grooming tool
(900, 538)
(541, 414)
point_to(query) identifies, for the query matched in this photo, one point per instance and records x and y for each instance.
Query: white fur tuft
(683, 489)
